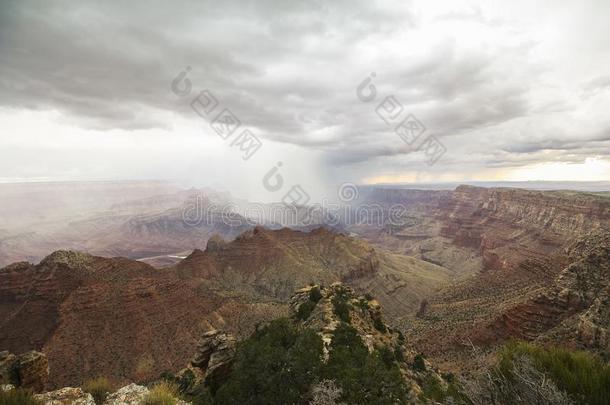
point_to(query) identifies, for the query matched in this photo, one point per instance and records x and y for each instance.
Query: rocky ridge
(141, 320)
(216, 349)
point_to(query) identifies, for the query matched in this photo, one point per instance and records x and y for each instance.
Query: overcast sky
(514, 90)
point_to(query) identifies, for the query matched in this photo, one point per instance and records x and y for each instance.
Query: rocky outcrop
(214, 356)
(507, 228)
(537, 223)
(7, 372)
(149, 320)
(594, 325)
(582, 288)
(131, 394)
(66, 396)
(29, 370)
(366, 316)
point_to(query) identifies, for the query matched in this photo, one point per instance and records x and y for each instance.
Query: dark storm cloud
(289, 69)
(585, 142)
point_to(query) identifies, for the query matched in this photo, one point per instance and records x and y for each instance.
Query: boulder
(32, 370)
(215, 354)
(131, 394)
(7, 371)
(66, 396)
(28, 370)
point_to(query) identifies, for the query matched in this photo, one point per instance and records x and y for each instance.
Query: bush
(277, 364)
(525, 386)
(184, 382)
(18, 396)
(305, 310)
(379, 325)
(418, 363)
(341, 307)
(99, 388)
(325, 392)
(364, 378)
(315, 295)
(583, 376)
(282, 364)
(398, 354)
(363, 304)
(433, 389)
(386, 355)
(163, 393)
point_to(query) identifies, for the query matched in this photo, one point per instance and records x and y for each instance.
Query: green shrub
(418, 363)
(364, 378)
(398, 354)
(433, 389)
(277, 364)
(379, 325)
(315, 295)
(163, 393)
(582, 375)
(386, 355)
(18, 396)
(449, 377)
(341, 307)
(305, 310)
(185, 382)
(99, 388)
(280, 363)
(363, 304)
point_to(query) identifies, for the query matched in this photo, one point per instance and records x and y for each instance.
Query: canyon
(470, 266)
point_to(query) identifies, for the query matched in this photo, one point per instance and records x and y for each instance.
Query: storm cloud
(500, 85)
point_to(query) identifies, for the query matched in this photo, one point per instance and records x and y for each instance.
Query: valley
(465, 267)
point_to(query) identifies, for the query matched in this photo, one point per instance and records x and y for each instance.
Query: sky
(328, 92)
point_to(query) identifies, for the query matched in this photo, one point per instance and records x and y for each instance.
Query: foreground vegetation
(18, 397)
(99, 388)
(530, 374)
(282, 364)
(582, 375)
(163, 393)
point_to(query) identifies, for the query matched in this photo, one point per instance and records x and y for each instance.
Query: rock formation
(366, 316)
(66, 396)
(512, 252)
(28, 370)
(214, 355)
(127, 395)
(142, 321)
(577, 301)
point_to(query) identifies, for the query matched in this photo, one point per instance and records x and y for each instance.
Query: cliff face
(261, 262)
(573, 309)
(527, 260)
(97, 316)
(506, 228)
(511, 227)
(129, 321)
